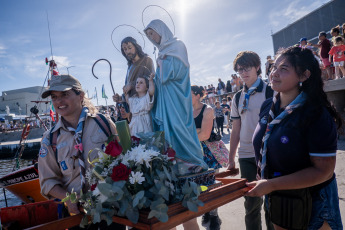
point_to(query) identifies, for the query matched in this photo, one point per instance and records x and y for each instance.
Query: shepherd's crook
(109, 73)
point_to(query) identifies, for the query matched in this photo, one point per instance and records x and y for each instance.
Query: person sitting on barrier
(295, 145)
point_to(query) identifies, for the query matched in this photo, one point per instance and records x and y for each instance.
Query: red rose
(93, 187)
(135, 140)
(170, 152)
(113, 149)
(120, 172)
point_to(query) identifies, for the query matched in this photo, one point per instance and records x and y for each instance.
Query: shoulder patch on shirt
(43, 152)
(284, 139)
(45, 141)
(63, 165)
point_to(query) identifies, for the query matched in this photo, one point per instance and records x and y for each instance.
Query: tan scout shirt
(60, 171)
(249, 119)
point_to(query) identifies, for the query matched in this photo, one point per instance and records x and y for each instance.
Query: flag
(94, 96)
(103, 92)
(51, 112)
(52, 115)
(55, 73)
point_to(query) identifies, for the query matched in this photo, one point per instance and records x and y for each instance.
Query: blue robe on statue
(173, 113)
(173, 110)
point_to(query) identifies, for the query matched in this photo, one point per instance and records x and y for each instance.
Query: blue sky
(214, 31)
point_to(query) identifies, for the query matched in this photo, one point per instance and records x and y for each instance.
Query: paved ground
(232, 214)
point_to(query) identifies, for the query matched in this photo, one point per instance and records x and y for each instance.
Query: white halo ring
(142, 15)
(112, 41)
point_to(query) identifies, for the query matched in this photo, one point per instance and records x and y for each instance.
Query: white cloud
(62, 61)
(236, 36)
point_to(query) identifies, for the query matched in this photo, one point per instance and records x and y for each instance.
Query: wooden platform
(230, 190)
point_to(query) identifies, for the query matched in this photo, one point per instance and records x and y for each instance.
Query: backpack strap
(237, 97)
(269, 92)
(103, 124)
(53, 142)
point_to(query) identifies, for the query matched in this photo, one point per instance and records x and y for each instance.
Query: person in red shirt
(337, 52)
(325, 46)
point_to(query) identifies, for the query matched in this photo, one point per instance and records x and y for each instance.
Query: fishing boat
(24, 184)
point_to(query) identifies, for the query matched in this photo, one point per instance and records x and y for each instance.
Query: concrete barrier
(335, 90)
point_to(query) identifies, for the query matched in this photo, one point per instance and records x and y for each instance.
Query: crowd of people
(285, 134)
(330, 53)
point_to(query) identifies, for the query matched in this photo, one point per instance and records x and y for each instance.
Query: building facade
(20, 101)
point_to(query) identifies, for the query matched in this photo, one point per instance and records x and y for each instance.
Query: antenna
(50, 40)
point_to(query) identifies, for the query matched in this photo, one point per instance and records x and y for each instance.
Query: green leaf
(160, 174)
(98, 169)
(65, 199)
(73, 197)
(163, 217)
(119, 184)
(157, 202)
(142, 203)
(162, 207)
(105, 189)
(152, 214)
(160, 212)
(123, 206)
(138, 197)
(96, 217)
(117, 192)
(164, 191)
(195, 188)
(166, 172)
(84, 222)
(186, 189)
(200, 203)
(99, 207)
(109, 219)
(132, 214)
(192, 206)
(108, 180)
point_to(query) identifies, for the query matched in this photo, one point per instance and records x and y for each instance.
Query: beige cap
(61, 83)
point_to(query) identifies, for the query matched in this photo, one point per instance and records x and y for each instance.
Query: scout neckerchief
(250, 91)
(272, 121)
(78, 134)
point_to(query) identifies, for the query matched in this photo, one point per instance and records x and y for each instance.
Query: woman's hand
(259, 188)
(231, 164)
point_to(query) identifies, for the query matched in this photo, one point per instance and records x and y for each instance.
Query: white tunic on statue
(141, 119)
